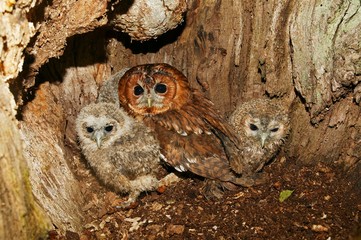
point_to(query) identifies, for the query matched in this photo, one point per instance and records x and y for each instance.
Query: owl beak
(149, 102)
(98, 137)
(264, 137)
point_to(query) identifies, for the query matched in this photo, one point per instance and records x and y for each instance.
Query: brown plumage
(262, 126)
(122, 151)
(192, 135)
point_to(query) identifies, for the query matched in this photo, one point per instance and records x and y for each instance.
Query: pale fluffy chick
(122, 151)
(262, 126)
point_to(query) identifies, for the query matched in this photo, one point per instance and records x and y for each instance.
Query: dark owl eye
(89, 129)
(108, 128)
(138, 90)
(274, 129)
(160, 88)
(253, 127)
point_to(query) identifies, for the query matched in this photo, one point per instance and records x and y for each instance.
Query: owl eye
(253, 127)
(160, 88)
(89, 129)
(274, 129)
(108, 128)
(138, 90)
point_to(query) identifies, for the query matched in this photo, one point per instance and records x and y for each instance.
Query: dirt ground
(324, 204)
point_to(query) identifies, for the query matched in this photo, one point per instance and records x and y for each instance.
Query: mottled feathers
(262, 126)
(192, 134)
(122, 151)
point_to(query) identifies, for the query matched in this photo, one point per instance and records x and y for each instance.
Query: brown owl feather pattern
(193, 136)
(122, 151)
(262, 126)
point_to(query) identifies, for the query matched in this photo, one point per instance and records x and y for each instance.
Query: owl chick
(262, 126)
(122, 151)
(193, 136)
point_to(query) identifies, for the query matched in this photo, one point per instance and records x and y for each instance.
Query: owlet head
(102, 124)
(265, 130)
(264, 121)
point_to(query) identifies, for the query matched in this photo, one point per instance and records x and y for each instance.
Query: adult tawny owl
(262, 126)
(122, 151)
(193, 136)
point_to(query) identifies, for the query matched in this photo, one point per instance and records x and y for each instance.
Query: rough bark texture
(59, 21)
(16, 200)
(48, 129)
(306, 53)
(302, 52)
(15, 34)
(144, 20)
(326, 68)
(18, 208)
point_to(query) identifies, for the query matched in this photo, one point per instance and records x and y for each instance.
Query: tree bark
(307, 54)
(304, 53)
(20, 216)
(18, 208)
(49, 131)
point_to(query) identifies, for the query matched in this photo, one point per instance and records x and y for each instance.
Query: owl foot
(260, 178)
(212, 189)
(131, 202)
(165, 182)
(169, 180)
(244, 181)
(251, 180)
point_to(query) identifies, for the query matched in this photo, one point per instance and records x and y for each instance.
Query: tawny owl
(122, 151)
(193, 136)
(262, 126)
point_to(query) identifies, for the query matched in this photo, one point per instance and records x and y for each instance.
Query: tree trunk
(18, 207)
(307, 54)
(17, 204)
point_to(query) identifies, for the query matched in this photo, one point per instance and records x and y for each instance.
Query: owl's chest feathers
(249, 151)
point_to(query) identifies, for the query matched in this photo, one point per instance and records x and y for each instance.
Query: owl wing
(201, 154)
(235, 154)
(198, 117)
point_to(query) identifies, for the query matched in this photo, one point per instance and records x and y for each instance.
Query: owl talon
(212, 189)
(260, 178)
(161, 189)
(252, 180)
(245, 181)
(129, 204)
(169, 180)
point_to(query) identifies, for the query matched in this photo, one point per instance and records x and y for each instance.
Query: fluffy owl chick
(122, 151)
(262, 126)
